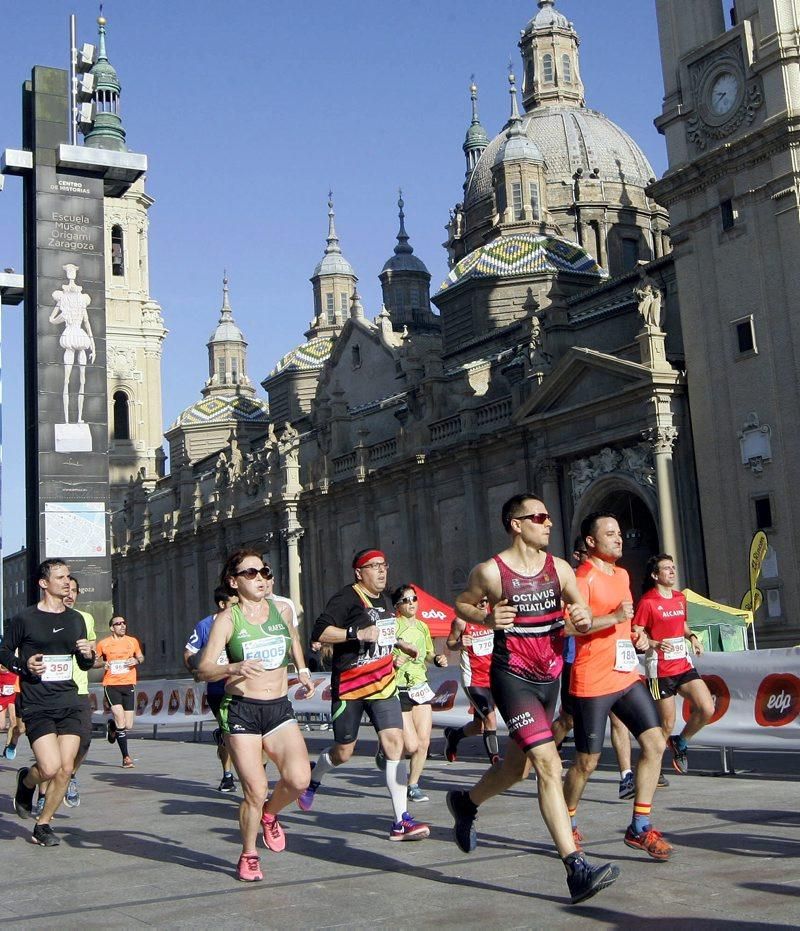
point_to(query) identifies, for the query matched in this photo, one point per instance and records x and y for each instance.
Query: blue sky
(250, 111)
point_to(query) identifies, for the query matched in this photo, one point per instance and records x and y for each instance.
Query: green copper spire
(107, 131)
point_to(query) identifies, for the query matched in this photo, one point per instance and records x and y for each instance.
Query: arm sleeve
(339, 612)
(195, 642)
(84, 662)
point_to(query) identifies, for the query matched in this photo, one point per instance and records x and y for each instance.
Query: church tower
(134, 325)
(549, 47)
(731, 99)
(334, 282)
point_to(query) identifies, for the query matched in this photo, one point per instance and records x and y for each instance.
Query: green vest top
(270, 642)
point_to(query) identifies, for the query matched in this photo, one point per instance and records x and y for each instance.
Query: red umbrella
(436, 614)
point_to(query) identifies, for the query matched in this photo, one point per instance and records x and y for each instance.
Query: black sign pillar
(66, 403)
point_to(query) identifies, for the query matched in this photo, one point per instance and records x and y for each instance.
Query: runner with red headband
(360, 624)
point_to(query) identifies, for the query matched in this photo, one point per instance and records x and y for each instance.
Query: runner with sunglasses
(260, 640)
(528, 588)
(477, 644)
(413, 688)
(119, 655)
(360, 624)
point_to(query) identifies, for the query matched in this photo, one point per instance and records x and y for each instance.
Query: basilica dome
(570, 138)
(306, 357)
(218, 408)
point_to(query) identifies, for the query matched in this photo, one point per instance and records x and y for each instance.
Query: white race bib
(483, 644)
(8, 690)
(57, 668)
(387, 632)
(222, 659)
(420, 694)
(674, 648)
(118, 667)
(626, 656)
(270, 651)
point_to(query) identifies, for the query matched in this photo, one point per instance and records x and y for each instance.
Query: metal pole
(73, 58)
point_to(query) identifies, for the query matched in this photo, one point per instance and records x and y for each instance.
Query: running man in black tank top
(528, 588)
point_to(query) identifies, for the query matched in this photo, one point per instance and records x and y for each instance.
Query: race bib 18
(626, 656)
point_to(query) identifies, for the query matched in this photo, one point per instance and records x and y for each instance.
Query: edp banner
(756, 695)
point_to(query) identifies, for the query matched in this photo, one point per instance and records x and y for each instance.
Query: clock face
(723, 94)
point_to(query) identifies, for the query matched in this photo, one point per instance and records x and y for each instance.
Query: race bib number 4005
(269, 650)
(57, 668)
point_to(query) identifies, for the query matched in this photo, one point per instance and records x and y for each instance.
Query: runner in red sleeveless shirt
(527, 585)
(662, 615)
(477, 644)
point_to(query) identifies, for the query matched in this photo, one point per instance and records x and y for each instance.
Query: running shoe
(409, 829)
(249, 869)
(577, 838)
(111, 731)
(627, 787)
(680, 761)
(272, 832)
(228, 783)
(38, 808)
(127, 762)
(451, 744)
(415, 794)
(44, 836)
(306, 799)
(380, 760)
(23, 797)
(663, 782)
(72, 797)
(584, 880)
(216, 736)
(651, 841)
(464, 812)
(10, 752)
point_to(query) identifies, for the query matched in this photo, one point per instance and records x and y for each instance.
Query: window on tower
(122, 420)
(355, 356)
(221, 374)
(516, 200)
(547, 68)
(117, 251)
(630, 253)
(234, 370)
(566, 69)
(329, 302)
(534, 192)
(343, 303)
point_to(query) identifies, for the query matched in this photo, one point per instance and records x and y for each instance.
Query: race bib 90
(269, 651)
(674, 648)
(57, 668)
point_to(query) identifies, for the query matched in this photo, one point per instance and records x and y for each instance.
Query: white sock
(624, 773)
(396, 775)
(324, 765)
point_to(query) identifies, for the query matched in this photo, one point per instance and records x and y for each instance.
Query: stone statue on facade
(636, 460)
(221, 472)
(582, 475)
(648, 295)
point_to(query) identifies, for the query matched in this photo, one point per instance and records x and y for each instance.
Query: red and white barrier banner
(756, 695)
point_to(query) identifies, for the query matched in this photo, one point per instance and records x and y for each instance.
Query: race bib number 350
(269, 650)
(57, 668)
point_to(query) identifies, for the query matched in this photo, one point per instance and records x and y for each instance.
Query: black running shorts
(667, 686)
(481, 700)
(254, 716)
(383, 713)
(566, 698)
(124, 695)
(59, 721)
(634, 706)
(527, 707)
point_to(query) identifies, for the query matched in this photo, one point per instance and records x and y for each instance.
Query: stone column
(548, 477)
(663, 439)
(292, 535)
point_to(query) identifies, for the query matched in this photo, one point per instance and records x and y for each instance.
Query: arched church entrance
(639, 531)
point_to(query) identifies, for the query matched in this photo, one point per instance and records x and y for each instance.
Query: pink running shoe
(272, 832)
(249, 870)
(409, 829)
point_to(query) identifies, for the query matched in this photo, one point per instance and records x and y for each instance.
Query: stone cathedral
(586, 305)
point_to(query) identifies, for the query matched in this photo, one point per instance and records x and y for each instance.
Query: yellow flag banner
(750, 603)
(758, 553)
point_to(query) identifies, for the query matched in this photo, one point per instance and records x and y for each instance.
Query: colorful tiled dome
(224, 408)
(523, 254)
(310, 355)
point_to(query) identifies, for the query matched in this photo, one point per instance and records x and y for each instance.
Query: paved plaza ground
(156, 846)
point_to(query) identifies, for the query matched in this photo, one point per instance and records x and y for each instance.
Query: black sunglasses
(265, 572)
(408, 600)
(539, 518)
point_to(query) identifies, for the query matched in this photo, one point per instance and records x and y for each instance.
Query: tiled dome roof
(224, 408)
(310, 355)
(523, 254)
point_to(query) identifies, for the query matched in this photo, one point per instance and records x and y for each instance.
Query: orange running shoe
(651, 841)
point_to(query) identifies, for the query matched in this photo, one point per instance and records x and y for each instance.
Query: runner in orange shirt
(605, 678)
(119, 655)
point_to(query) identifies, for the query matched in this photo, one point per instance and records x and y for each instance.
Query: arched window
(117, 251)
(122, 420)
(566, 69)
(355, 355)
(547, 67)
